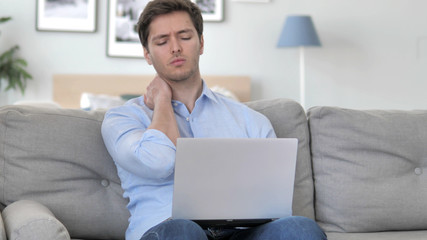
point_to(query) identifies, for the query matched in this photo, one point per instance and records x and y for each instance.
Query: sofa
(361, 174)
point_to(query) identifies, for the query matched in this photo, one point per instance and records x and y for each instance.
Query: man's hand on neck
(158, 98)
(158, 91)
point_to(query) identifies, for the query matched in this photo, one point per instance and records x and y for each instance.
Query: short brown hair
(159, 7)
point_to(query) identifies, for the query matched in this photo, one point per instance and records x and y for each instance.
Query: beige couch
(360, 174)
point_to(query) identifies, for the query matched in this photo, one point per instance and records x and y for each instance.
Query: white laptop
(234, 182)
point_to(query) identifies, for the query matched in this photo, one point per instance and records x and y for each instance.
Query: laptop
(234, 182)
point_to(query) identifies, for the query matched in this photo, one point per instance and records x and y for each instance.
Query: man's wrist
(163, 102)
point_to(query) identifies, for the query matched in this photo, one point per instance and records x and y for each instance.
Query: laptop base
(232, 223)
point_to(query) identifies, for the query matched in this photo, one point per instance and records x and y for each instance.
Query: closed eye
(186, 34)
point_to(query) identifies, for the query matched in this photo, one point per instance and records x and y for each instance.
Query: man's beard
(180, 76)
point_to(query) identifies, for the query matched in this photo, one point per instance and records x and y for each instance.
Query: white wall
(374, 53)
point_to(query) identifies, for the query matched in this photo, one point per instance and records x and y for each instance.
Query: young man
(141, 135)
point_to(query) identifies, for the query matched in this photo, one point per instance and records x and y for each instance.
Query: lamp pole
(299, 31)
(302, 76)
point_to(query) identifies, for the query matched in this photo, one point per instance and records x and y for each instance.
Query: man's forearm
(164, 120)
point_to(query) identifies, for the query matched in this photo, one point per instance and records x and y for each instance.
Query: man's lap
(285, 228)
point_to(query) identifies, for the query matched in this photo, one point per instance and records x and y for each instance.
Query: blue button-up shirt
(145, 158)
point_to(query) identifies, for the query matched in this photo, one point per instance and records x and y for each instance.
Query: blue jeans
(290, 228)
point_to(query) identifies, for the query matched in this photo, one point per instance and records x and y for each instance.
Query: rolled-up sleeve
(146, 153)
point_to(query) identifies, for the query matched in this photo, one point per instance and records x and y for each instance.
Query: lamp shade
(298, 31)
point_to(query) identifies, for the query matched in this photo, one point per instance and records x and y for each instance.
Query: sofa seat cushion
(370, 169)
(57, 157)
(395, 235)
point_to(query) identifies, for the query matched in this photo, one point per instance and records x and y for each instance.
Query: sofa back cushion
(57, 157)
(289, 121)
(370, 169)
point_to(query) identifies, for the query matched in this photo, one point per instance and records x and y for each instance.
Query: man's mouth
(177, 62)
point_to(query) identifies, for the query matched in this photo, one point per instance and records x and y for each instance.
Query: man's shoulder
(130, 108)
(229, 102)
(240, 108)
(257, 124)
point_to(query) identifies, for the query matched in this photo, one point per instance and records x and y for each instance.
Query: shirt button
(175, 104)
(418, 171)
(187, 119)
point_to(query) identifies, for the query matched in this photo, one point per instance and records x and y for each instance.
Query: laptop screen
(236, 182)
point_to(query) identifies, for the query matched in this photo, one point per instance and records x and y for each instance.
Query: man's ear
(202, 44)
(147, 56)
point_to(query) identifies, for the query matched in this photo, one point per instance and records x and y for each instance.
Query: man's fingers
(148, 102)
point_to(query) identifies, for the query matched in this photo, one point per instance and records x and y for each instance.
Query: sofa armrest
(27, 219)
(2, 230)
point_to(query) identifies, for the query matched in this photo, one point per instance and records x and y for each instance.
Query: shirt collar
(208, 92)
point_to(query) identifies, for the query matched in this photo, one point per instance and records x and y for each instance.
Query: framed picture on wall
(212, 10)
(123, 15)
(66, 15)
(122, 35)
(252, 1)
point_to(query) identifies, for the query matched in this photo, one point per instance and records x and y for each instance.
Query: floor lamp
(299, 31)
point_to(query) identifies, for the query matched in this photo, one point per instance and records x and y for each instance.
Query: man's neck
(187, 91)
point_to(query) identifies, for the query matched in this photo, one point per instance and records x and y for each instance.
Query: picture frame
(212, 10)
(252, 1)
(122, 36)
(66, 15)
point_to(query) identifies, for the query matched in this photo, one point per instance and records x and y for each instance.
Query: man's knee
(301, 227)
(296, 220)
(186, 226)
(175, 229)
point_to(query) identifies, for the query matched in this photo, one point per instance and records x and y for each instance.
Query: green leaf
(5, 19)
(21, 62)
(9, 54)
(12, 70)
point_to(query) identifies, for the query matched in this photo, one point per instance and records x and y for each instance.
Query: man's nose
(175, 46)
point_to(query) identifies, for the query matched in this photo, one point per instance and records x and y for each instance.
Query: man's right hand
(158, 98)
(158, 92)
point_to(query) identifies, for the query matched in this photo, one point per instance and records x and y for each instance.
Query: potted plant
(12, 68)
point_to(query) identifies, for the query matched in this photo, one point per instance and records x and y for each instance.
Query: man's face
(174, 47)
